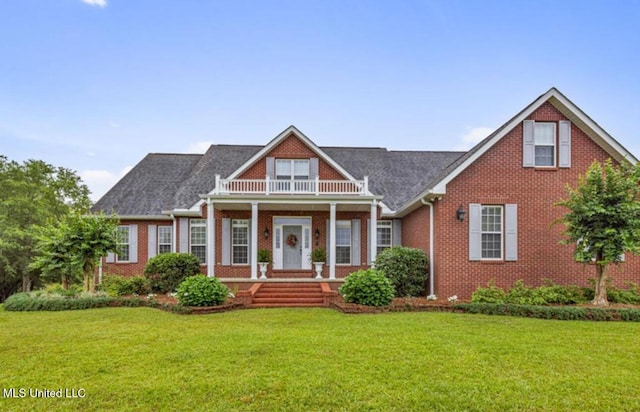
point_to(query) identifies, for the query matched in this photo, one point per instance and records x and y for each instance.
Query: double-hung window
(545, 144)
(491, 232)
(240, 241)
(383, 233)
(165, 239)
(123, 246)
(288, 171)
(199, 239)
(343, 242)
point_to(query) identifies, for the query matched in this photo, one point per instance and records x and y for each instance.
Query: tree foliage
(603, 221)
(34, 195)
(74, 246)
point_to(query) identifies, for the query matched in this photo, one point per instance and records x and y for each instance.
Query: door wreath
(292, 240)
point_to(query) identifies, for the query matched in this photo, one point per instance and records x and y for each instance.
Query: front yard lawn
(316, 359)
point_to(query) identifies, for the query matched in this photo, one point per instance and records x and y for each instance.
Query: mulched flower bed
(169, 303)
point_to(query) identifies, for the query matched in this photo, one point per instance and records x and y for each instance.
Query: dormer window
(292, 169)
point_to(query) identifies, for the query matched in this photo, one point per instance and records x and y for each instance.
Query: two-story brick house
(480, 215)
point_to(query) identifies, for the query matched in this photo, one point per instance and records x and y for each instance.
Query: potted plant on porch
(318, 257)
(264, 258)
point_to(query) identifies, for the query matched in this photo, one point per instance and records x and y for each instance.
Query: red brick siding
(291, 148)
(498, 177)
(133, 269)
(265, 219)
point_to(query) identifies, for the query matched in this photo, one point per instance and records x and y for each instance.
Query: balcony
(268, 186)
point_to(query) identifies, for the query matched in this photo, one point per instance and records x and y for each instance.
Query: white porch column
(374, 231)
(332, 240)
(174, 241)
(211, 239)
(254, 240)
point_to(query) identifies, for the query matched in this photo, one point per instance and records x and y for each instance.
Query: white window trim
(170, 244)
(240, 223)
(554, 145)
(198, 223)
(347, 224)
(384, 224)
(292, 175)
(122, 228)
(501, 233)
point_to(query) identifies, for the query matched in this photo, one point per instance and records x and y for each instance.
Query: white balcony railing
(291, 187)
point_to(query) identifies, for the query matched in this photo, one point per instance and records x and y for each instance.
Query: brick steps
(288, 295)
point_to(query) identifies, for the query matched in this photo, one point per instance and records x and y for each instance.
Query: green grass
(317, 359)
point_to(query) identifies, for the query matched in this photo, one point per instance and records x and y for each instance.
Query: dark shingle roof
(171, 181)
(150, 186)
(399, 176)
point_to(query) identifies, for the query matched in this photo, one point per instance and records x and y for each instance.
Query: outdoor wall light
(460, 213)
(266, 233)
(317, 234)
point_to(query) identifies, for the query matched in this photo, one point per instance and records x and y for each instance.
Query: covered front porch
(289, 226)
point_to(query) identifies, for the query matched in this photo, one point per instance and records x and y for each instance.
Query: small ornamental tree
(603, 221)
(75, 246)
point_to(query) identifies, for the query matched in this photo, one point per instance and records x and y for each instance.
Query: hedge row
(28, 302)
(551, 312)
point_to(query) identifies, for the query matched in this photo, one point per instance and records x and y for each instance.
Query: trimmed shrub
(561, 295)
(551, 312)
(407, 268)
(368, 287)
(490, 294)
(627, 296)
(200, 290)
(167, 270)
(520, 294)
(41, 300)
(115, 285)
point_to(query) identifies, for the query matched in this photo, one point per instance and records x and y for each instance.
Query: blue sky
(95, 85)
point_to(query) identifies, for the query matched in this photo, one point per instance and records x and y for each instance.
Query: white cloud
(99, 3)
(100, 181)
(472, 137)
(198, 147)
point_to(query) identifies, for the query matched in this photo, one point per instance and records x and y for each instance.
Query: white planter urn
(263, 269)
(318, 267)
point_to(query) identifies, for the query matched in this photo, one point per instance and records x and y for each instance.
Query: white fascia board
(275, 141)
(182, 212)
(144, 217)
(416, 203)
(440, 188)
(611, 145)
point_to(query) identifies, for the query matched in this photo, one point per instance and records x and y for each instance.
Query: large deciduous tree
(75, 246)
(603, 221)
(33, 194)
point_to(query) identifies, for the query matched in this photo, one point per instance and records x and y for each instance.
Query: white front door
(292, 243)
(292, 248)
